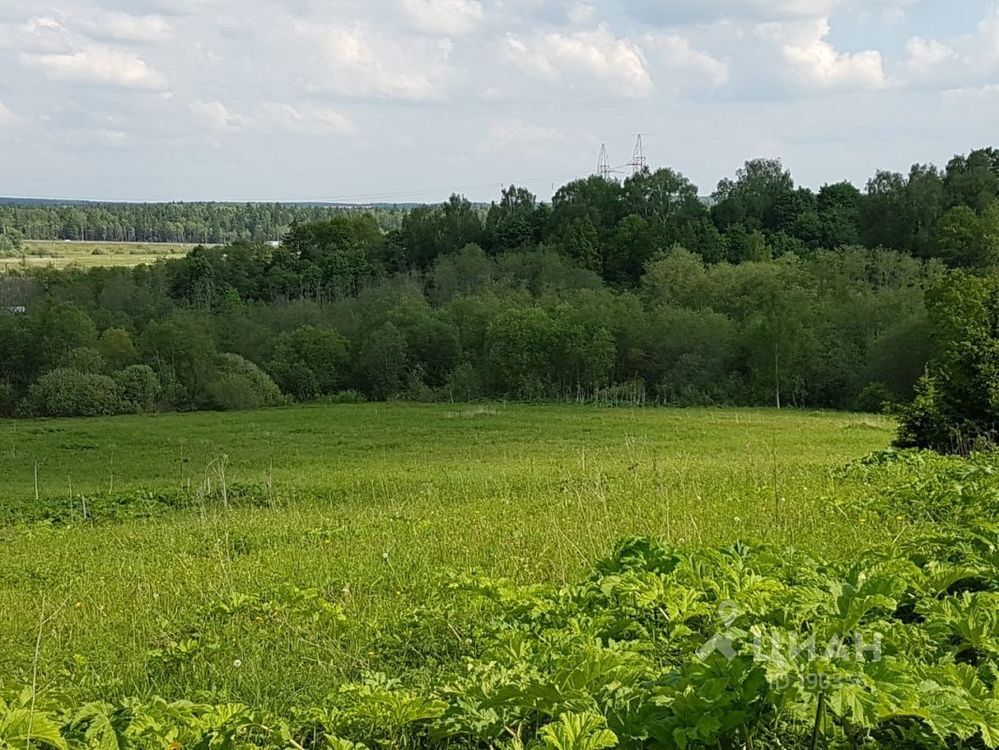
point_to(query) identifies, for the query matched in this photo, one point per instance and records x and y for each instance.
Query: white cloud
(533, 78)
(361, 62)
(974, 94)
(928, 53)
(706, 11)
(98, 64)
(301, 119)
(129, 28)
(671, 12)
(273, 117)
(966, 62)
(212, 114)
(582, 58)
(581, 13)
(817, 63)
(6, 116)
(676, 54)
(58, 34)
(518, 133)
(445, 17)
(931, 60)
(988, 32)
(42, 34)
(111, 137)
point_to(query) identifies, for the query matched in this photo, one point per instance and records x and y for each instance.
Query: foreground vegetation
(408, 576)
(133, 525)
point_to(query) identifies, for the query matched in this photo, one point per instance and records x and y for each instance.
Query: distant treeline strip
(951, 213)
(207, 223)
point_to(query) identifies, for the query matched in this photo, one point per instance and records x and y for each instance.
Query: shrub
(138, 386)
(117, 348)
(10, 243)
(465, 384)
(874, 399)
(956, 408)
(381, 361)
(84, 359)
(309, 361)
(240, 384)
(416, 388)
(927, 487)
(7, 400)
(521, 343)
(65, 392)
(345, 397)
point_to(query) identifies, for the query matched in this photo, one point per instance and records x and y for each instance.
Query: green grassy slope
(373, 505)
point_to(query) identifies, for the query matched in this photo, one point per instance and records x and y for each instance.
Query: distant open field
(372, 505)
(59, 254)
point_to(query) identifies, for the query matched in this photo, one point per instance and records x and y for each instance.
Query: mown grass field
(374, 506)
(59, 254)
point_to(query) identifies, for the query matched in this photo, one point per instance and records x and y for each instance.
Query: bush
(240, 384)
(7, 400)
(925, 487)
(465, 384)
(138, 386)
(65, 392)
(345, 397)
(117, 348)
(956, 408)
(874, 399)
(521, 344)
(381, 361)
(84, 359)
(10, 243)
(309, 361)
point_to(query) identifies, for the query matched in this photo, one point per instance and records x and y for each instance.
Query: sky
(409, 100)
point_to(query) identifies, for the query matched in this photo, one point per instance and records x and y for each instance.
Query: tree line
(632, 291)
(193, 223)
(843, 329)
(609, 227)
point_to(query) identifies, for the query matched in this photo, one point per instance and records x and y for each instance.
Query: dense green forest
(209, 223)
(634, 291)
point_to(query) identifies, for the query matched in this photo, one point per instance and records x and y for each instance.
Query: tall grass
(373, 507)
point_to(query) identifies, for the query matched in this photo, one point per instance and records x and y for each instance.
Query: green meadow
(124, 537)
(61, 254)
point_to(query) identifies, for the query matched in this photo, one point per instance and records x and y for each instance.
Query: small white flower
(237, 663)
(384, 555)
(737, 519)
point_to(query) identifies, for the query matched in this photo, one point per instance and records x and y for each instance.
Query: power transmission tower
(639, 161)
(604, 168)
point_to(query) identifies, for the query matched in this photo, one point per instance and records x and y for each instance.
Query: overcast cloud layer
(405, 100)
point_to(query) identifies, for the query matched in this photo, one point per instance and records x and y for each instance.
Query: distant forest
(613, 292)
(194, 223)
(949, 213)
